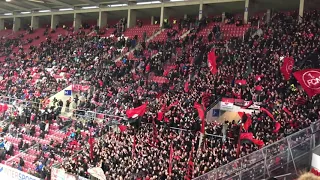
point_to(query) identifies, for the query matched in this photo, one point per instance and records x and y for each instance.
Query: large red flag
(212, 63)
(122, 128)
(248, 123)
(286, 67)
(170, 159)
(138, 111)
(248, 136)
(309, 79)
(201, 113)
(267, 112)
(257, 142)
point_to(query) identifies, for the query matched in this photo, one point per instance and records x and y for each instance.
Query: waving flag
(138, 111)
(212, 61)
(277, 127)
(267, 112)
(286, 67)
(201, 113)
(309, 79)
(248, 123)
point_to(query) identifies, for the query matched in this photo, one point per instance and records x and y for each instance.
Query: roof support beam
(65, 5)
(90, 2)
(15, 6)
(5, 10)
(36, 5)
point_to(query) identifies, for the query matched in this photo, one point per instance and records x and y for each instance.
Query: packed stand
(257, 60)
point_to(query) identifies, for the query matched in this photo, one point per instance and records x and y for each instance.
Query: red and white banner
(286, 67)
(78, 87)
(226, 104)
(309, 79)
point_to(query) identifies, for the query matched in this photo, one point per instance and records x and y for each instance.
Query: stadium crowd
(144, 149)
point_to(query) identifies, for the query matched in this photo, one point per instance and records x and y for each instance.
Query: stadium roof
(7, 6)
(27, 6)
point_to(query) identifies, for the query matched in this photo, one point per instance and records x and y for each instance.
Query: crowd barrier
(286, 156)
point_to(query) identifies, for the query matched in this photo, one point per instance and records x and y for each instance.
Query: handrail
(242, 159)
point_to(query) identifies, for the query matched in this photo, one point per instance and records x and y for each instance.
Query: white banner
(226, 104)
(9, 173)
(315, 161)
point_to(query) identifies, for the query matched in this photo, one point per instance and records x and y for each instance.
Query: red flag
(267, 112)
(241, 82)
(277, 127)
(248, 123)
(248, 136)
(212, 61)
(240, 114)
(170, 159)
(286, 67)
(122, 128)
(309, 79)
(201, 113)
(138, 111)
(160, 115)
(186, 87)
(257, 142)
(287, 111)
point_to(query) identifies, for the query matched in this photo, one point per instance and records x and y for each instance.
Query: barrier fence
(288, 156)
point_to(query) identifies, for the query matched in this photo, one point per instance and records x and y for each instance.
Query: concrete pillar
(164, 15)
(152, 20)
(132, 18)
(54, 21)
(1, 24)
(268, 15)
(246, 11)
(77, 21)
(200, 10)
(16, 24)
(223, 17)
(35, 22)
(103, 19)
(301, 10)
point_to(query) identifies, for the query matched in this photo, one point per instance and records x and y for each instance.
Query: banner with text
(9, 173)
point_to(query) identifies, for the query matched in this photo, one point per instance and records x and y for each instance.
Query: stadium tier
(158, 90)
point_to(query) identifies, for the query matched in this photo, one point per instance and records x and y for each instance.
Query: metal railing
(286, 156)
